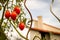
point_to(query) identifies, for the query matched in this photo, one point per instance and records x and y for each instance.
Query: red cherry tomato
(21, 25)
(17, 9)
(7, 14)
(13, 15)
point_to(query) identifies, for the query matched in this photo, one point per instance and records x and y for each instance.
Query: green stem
(17, 30)
(1, 29)
(3, 13)
(2, 16)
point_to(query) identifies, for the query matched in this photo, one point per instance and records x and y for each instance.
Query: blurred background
(39, 8)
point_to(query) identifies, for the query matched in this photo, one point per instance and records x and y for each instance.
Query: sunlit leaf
(52, 1)
(24, 20)
(27, 26)
(19, 0)
(3, 1)
(0, 7)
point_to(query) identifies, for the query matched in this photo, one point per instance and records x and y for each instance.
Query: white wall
(54, 37)
(34, 33)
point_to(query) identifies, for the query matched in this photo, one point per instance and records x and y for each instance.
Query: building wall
(47, 36)
(54, 37)
(34, 33)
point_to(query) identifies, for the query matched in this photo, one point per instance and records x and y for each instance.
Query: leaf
(2, 35)
(19, 0)
(24, 20)
(8, 27)
(21, 14)
(22, 0)
(27, 26)
(0, 7)
(4, 25)
(3, 1)
(52, 1)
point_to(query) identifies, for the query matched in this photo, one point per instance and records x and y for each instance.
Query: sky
(42, 8)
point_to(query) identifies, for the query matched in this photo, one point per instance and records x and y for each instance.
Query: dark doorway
(45, 36)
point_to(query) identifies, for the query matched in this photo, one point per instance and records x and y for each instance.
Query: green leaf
(22, 0)
(52, 1)
(4, 25)
(3, 1)
(2, 35)
(0, 7)
(27, 26)
(24, 20)
(21, 14)
(19, 0)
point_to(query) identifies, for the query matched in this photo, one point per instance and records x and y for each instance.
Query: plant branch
(17, 30)
(1, 29)
(3, 13)
(53, 12)
(30, 16)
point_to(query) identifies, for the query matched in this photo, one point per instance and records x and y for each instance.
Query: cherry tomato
(17, 9)
(7, 14)
(13, 15)
(21, 25)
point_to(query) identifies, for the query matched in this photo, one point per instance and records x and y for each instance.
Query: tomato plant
(13, 16)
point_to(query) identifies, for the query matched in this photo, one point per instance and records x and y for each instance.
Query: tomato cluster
(13, 15)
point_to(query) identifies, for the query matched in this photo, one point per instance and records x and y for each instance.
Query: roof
(48, 28)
